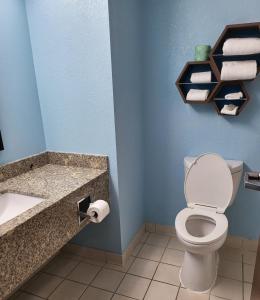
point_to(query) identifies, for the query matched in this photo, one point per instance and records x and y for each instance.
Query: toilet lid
(209, 183)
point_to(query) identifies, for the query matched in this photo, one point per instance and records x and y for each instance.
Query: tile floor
(152, 273)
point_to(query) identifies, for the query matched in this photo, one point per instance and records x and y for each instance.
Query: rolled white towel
(229, 109)
(239, 70)
(241, 46)
(197, 95)
(201, 77)
(231, 96)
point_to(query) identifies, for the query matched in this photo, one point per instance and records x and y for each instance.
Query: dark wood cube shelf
(234, 31)
(184, 84)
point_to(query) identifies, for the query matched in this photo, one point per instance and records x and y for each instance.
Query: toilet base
(199, 272)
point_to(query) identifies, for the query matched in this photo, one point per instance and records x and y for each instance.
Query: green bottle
(202, 52)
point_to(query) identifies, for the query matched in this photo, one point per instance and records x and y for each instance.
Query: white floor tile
(92, 293)
(143, 267)
(61, 266)
(232, 254)
(249, 257)
(144, 237)
(68, 290)
(108, 280)
(248, 273)
(228, 288)
(42, 285)
(168, 274)
(137, 249)
(163, 291)
(173, 257)
(120, 297)
(157, 240)
(230, 269)
(151, 252)
(247, 291)
(174, 243)
(234, 242)
(121, 268)
(133, 286)
(84, 273)
(215, 298)
(185, 294)
(25, 296)
(250, 245)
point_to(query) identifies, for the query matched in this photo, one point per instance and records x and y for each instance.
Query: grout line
(64, 278)
(102, 267)
(29, 293)
(154, 273)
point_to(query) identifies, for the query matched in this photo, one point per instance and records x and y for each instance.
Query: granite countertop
(52, 182)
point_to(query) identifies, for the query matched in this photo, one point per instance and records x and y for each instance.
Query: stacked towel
(231, 96)
(229, 109)
(241, 46)
(197, 95)
(239, 70)
(201, 77)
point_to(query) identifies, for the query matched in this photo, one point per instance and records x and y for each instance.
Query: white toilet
(211, 184)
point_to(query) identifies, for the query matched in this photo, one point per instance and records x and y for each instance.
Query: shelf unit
(184, 84)
(218, 89)
(234, 31)
(225, 88)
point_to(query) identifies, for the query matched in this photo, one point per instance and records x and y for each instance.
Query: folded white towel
(197, 95)
(239, 70)
(231, 96)
(201, 77)
(241, 46)
(229, 109)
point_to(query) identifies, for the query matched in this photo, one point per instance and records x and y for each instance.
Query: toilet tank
(235, 166)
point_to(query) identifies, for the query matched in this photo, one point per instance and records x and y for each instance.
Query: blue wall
(71, 51)
(128, 109)
(126, 48)
(20, 116)
(173, 129)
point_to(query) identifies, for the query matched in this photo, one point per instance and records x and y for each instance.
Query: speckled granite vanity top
(51, 182)
(29, 240)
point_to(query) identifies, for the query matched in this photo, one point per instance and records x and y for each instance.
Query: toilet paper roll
(98, 210)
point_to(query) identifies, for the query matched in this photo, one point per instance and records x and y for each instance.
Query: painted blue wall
(71, 51)
(20, 116)
(126, 48)
(173, 129)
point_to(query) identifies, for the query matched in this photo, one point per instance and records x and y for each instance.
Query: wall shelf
(234, 31)
(225, 88)
(218, 88)
(184, 84)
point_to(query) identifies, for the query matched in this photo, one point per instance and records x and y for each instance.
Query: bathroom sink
(12, 205)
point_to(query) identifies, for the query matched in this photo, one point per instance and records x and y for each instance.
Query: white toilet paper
(98, 210)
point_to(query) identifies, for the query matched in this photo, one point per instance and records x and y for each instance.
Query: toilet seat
(209, 183)
(220, 229)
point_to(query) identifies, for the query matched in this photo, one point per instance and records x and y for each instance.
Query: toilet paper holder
(83, 206)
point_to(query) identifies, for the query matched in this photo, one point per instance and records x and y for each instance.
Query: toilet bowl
(210, 187)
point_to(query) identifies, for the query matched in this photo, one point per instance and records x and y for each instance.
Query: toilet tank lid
(234, 165)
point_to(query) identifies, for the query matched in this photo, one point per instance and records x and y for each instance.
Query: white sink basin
(12, 205)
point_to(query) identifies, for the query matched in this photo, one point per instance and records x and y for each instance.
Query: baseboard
(122, 259)
(106, 256)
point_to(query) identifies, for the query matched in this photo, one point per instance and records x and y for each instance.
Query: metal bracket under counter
(251, 184)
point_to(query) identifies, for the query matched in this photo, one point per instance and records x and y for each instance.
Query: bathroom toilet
(211, 184)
